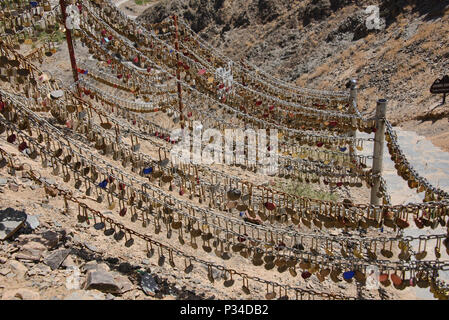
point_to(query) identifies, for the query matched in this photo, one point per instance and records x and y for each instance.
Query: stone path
(119, 3)
(431, 162)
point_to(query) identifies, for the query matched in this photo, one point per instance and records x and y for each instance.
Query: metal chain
(399, 157)
(69, 197)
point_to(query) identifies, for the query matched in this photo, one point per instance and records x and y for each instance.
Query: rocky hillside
(323, 43)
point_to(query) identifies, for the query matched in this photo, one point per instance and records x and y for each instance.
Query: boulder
(10, 222)
(102, 281)
(56, 258)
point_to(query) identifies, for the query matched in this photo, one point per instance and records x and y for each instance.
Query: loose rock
(124, 283)
(92, 248)
(56, 258)
(149, 284)
(68, 263)
(40, 269)
(102, 281)
(88, 266)
(50, 239)
(31, 251)
(33, 222)
(13, 187)
(85, 295)
(4, 271)
(18, 268)
(21, 294)
(10, 222)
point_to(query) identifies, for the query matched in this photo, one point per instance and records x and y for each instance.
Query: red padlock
(22, 146)
(306, 275)
(11, 138)
(270, 206)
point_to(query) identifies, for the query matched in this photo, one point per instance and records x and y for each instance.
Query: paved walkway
(119, 3)
(431, 162)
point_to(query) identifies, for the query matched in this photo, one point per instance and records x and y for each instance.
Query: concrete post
(379, 139)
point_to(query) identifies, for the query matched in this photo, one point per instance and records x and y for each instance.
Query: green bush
(306, 190)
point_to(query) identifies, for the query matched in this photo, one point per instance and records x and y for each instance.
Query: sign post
(178, 71)
(381, 112)
(353, 100)
(68, 34)
(441, 86)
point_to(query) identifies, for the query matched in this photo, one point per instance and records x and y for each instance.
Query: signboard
(440, 85)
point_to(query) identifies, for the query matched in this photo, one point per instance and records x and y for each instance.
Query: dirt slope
(323, 43)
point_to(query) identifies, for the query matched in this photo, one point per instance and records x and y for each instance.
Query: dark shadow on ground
(430, 9)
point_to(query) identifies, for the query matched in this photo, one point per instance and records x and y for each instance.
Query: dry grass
(367, 98)
(370, 39)
(359, 58)
(394, 46)
(429, 45)
(345, 54)
(428, 31)
(321, 70)
(326, 84)
(313, 43)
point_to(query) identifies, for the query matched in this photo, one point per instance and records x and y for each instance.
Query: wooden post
(378, 153)
(353, 99)
(68, 34)
(178, 71)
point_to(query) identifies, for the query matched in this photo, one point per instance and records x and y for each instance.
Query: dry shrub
(367, 97)
(430, 45)
(427, 31)
(370, 38)
(344, 55)
(321, 70)
(393, 49)
(327, 85)
(358, 59)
